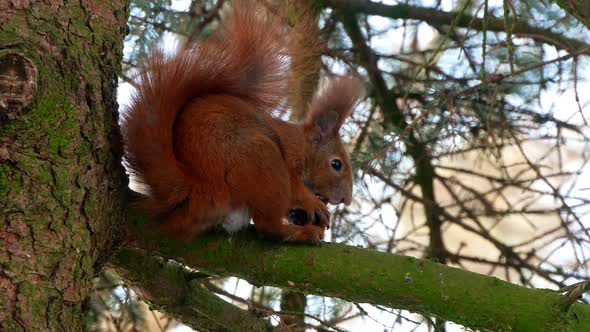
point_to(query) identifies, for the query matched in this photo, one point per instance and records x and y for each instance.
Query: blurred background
(471, 147)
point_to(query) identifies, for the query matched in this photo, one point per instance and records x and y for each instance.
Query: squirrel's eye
(337, 164)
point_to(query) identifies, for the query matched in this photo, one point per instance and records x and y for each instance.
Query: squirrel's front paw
(317, 213)
(313, 234)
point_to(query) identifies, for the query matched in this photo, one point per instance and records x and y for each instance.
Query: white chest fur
(236, 220)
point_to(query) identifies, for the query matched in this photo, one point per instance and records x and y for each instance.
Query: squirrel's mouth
(322, 198)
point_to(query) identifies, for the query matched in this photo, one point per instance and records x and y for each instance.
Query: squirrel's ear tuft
(334, 103)
(327, 121)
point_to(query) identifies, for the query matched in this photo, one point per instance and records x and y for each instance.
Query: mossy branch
(368, 276)
(171, 288)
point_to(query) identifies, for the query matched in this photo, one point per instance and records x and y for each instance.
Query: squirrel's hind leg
(202, 210)
(262, 182)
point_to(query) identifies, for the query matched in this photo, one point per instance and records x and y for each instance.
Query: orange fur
(200, 135)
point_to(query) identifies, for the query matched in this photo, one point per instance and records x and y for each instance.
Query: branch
(580, 9)
(173, 289)
(436, 17)
(361, 275)
(497, 78)
(416, 149)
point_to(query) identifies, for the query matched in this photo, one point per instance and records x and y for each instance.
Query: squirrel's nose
(346, 201)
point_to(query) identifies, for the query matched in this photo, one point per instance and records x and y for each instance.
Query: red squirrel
(201, 136)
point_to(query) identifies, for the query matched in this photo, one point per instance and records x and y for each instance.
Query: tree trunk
(60, 175)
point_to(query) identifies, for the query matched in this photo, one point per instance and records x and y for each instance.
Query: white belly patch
(236, 220)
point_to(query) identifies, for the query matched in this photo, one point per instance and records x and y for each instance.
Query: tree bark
(368, 276)
(60, 174)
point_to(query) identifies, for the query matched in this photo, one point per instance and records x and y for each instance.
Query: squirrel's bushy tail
(246, 58)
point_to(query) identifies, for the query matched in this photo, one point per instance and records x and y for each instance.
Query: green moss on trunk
(60, 156)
